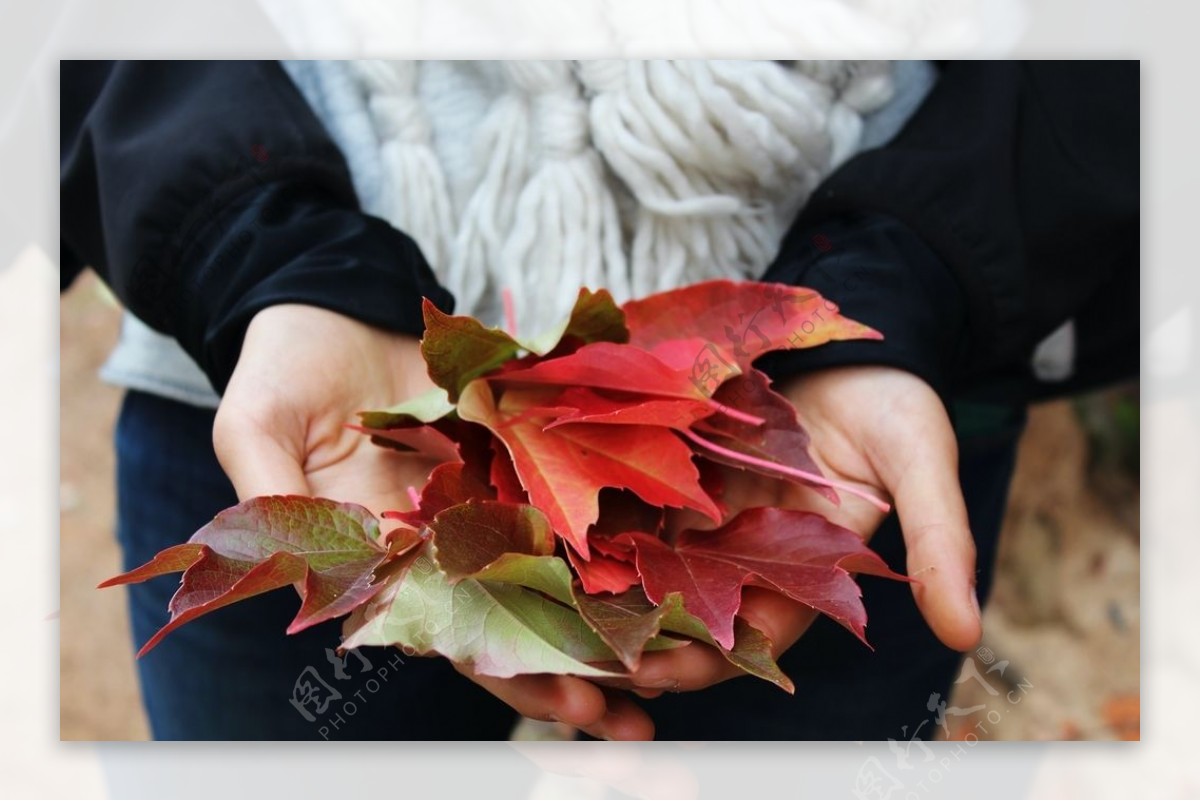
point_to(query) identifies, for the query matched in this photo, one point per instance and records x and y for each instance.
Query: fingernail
(974, 593)
(663, 684)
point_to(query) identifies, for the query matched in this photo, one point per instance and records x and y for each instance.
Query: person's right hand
(871, 427)
(302, 375)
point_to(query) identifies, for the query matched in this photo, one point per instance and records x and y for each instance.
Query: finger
(256, 461)
(683, 670)
(565, 699)
(624, 720)
(377, 478)
(781, 620)
(941, 550)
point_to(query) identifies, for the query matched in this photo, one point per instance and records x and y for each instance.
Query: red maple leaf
(799, 554)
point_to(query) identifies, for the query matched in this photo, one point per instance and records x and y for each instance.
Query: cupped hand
(876, 428)
(302, 375)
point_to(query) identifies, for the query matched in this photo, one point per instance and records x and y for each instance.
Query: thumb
(937, 535)
(258, 461)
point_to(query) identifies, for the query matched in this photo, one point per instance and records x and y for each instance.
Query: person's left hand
(281, 429)
(871, 427)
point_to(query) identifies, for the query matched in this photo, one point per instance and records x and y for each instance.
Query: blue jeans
(235, 675)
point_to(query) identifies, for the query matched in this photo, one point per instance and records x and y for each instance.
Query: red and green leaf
(329, 550)
(625, 621)
(500, 628)
(629, 620)
(458, 350)
(424, 409)
(594, 318)
(425, 440)
(799, 554)
(752, 650)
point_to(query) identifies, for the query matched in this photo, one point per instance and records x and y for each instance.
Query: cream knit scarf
(636, 176)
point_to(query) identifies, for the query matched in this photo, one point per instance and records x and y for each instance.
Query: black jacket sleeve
(203, 192)
(1005, 207)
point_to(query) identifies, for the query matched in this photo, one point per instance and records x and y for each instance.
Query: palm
(869, 426)
(356, 469)
(303, 374)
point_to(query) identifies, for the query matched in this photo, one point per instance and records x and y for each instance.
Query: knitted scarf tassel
(719, 156)
(636, 176)
(502, 146)
(415, 198)
(565, 232)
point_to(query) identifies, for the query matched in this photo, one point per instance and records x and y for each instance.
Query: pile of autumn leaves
(540, 543)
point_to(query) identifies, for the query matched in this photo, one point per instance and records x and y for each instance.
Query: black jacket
(205, 191)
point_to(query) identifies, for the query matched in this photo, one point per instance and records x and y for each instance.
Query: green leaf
(507, 543)
(550, 575)
(499, 629)
(460, 349)
(512, 544)
(425, 408)
(752, 653)
(546, 574)
(595, 318)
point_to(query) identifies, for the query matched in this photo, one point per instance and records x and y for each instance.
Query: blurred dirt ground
(1060, 657)
(97, 680)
